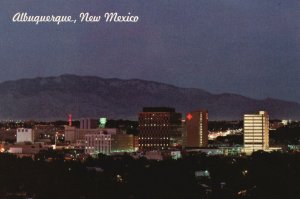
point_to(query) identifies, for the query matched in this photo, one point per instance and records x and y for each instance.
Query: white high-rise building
(256, 132)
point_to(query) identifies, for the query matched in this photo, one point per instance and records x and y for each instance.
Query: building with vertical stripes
(256, 132)
(196, 125)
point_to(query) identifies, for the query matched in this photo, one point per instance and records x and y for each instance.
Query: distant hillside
(53, 98)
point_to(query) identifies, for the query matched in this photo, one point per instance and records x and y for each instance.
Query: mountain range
(53, 98)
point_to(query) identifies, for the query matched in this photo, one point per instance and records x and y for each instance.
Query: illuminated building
(197, 129)
(108, 142)
(74, 135)
(122, 142)
(98, 143)
(256, 132)
(46, 133)
(24, 135)
(25, 149)
(159, 128)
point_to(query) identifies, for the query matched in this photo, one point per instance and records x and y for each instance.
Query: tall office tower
(159, 128)
(256, 132)
(197, 129)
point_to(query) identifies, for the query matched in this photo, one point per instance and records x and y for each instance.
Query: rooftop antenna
(70, 119)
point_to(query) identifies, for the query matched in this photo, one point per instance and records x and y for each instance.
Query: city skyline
(149, 99)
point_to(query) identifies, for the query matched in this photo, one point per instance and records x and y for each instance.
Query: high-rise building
(196, 126)
(159, 128)
(256, 132)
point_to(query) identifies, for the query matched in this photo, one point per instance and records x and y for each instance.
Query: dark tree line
(262, 175)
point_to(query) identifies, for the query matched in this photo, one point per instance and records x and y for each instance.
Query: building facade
(109, 142)
(122, 142)
(74, 135)
(256, 132)
(196, 126)
(89, 123)
(159, 128)
(98, 143)
(25, 135)
(46, 133)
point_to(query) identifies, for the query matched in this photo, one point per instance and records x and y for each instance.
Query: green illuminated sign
(102, 122)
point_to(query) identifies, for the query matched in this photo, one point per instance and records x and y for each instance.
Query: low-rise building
(25, 135)
(98, 143)
(73, 134)
(109, 141)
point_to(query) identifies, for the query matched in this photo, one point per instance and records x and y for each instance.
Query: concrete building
(74, 135)
(159, 128)
(256, 132)
(46, 133)
(98, 143)
(109, 142)
(25, 135)
(196, 126)
(122, 142)
(25, 148)
(88, 123)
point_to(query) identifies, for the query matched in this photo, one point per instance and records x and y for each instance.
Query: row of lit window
(100, 139)
(91, 147)
(154, 125)
(98, 143)
(154, 115)
(153, 145)
(253, 138)
(254, 131)
(254, 134)
(151, 118)
(253, 126)
(150, 138)
(254, 146)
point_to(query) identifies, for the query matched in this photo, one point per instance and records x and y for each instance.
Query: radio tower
(70, 119)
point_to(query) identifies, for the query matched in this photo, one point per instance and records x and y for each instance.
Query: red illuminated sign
(189, 116)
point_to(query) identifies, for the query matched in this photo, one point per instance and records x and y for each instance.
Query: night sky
(249, 47)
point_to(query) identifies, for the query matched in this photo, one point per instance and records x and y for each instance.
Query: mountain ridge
(52, 98)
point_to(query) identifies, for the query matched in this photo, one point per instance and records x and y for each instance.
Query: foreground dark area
(262, 175)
